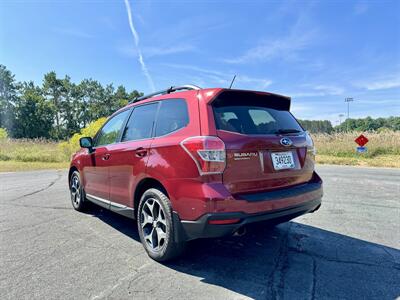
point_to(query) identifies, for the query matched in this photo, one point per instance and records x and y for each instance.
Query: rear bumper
(310, 194)
(202, 229)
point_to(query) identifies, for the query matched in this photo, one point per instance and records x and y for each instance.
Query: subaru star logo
(286, 142)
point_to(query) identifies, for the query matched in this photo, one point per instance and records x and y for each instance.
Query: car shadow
(291, 260)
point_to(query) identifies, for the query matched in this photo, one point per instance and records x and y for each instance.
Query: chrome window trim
(98, 198)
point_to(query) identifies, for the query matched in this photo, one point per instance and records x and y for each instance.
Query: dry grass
(343, 145)
(340, 149)
(25, 150)
(387, 161)
(13, 166)
(25, 154)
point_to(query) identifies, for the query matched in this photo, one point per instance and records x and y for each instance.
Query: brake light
(310, 144)
(208, 152)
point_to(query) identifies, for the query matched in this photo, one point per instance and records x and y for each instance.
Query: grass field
(383, 151)
(20, 155)
(340, 148)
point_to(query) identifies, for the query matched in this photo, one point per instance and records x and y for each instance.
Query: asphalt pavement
(349, 249)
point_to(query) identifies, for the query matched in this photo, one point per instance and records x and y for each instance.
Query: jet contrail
(136, 39)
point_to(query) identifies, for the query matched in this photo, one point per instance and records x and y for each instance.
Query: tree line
(362, 124)
(58, 107)
(315, 126)
(370, 124)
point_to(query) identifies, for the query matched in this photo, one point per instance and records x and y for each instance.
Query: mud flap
(179, 232)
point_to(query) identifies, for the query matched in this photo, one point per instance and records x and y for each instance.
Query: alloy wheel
(153, 224)
(75, 191)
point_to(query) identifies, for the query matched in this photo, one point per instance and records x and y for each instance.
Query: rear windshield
(256, 117)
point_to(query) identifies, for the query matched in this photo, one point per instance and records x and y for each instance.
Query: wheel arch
(72, 169)
(144, 185)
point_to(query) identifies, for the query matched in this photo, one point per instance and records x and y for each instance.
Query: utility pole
(348, 100)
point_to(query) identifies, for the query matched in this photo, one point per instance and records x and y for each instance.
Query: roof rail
(167, 91)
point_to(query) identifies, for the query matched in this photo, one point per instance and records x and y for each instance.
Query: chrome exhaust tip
(241, 231)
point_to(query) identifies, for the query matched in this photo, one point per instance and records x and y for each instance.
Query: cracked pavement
(349, 249)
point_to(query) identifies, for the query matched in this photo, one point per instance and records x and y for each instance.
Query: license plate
(283, 160)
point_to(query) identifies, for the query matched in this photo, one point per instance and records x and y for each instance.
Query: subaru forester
(191, 163)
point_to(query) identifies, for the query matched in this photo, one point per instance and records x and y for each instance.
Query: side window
(111, 130)
(140, 123)
(173, 115)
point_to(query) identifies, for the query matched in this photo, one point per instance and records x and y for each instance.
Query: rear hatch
(266, 148)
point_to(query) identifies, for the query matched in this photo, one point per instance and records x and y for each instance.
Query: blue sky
(317, 52)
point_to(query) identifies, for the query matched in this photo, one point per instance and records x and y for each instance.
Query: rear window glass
(255, 120)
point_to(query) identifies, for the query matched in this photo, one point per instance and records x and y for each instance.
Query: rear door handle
(106, 156)
(140, 152)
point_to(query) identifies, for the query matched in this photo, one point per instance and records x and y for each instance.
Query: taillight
(208, 152)
(310, 144)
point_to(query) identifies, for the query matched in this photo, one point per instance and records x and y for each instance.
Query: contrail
(136, 39)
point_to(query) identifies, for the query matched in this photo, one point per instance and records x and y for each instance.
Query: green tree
(92, 93)
(73, 106)
(121, 97)
(53, 89)
(69, 108)
(8, 97)
(34, 115)
(369, 124)
(316, 126)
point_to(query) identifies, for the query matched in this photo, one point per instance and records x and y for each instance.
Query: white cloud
(224, 78)
(319, 91)
(259, 83)
(157, 51)
(299, 38)
(139, 52)
(382, 83)
(329, 89)
(297, 108)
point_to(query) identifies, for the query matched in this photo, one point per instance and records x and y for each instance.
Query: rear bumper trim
(313, 185)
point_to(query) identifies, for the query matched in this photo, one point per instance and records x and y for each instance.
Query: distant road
(349, 249)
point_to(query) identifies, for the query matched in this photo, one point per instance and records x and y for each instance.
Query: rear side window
(246, 114)
(111, 130)
(140, 123)
(173, 115)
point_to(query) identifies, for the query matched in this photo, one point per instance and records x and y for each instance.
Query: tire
(78, 199)
(156, 228)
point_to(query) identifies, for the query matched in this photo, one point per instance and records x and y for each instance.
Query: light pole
(348, 100)
(340, 118)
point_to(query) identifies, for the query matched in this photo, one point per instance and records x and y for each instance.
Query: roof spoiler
(241, 97)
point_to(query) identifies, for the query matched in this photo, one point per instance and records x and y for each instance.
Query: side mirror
(86, 142)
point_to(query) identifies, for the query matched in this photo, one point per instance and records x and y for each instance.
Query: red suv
(192, 163)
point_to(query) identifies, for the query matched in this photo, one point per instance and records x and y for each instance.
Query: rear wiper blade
(283, 131)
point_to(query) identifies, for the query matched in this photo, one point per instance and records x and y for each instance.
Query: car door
(129, 157)
(96, 171)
